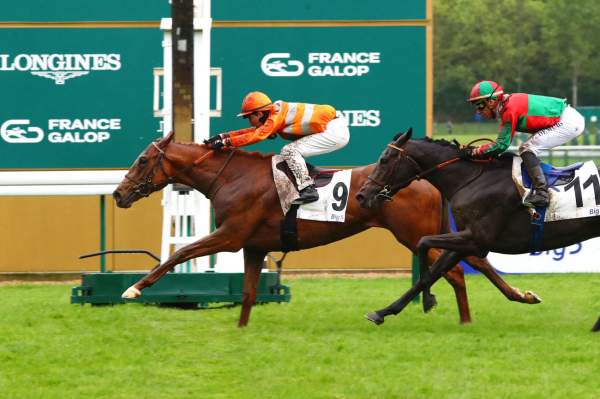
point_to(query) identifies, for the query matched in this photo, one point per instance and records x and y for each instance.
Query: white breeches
(335, 136)
(570, 125)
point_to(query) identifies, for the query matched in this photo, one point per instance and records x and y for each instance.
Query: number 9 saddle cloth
(333, 187)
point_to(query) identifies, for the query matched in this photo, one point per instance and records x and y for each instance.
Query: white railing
(77, 182)
(568, 151)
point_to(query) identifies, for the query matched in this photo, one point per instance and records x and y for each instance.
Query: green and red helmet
(485, 90)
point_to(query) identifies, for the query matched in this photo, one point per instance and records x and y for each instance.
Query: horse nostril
(116, 195)
(360, 197)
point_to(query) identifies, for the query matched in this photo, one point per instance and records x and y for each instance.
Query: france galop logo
(278, 64)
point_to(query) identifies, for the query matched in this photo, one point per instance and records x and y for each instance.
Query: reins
(386, 189)
(210, 195)
(422, 173)
(146, 187)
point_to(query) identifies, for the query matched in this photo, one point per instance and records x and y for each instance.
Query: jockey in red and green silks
(550, 121)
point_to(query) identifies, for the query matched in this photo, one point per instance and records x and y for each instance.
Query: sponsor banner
(230, 10)
(373, 76)
(578, 258)
(334, 10)
(76, 98)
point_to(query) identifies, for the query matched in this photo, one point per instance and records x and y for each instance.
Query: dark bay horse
(485, 203)
(248, 214)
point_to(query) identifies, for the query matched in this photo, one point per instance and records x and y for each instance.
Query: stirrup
(307, 195)
(536, 200)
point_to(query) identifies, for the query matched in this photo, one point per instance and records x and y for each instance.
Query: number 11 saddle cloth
(574, 190)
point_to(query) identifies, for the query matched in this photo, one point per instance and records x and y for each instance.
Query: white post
(202, 26)
(167, 115)
(226, 262)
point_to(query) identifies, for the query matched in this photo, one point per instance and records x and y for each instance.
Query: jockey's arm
(243, 137)
(507, 132)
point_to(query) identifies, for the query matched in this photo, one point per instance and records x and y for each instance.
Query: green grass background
(317, 346)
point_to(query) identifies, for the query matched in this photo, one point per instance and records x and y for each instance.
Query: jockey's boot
(307, 195)
(538, 196)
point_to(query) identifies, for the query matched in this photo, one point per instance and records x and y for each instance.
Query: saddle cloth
(333, 187)
(574, 190)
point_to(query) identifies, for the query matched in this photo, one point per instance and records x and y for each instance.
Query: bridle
(385, 192)
(146, 187)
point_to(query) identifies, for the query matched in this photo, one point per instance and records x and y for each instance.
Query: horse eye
(384, 160)
(143, 161)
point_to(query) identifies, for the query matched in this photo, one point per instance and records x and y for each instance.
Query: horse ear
(166, 140)
(403, 138)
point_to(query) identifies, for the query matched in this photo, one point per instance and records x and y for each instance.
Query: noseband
(385, 193)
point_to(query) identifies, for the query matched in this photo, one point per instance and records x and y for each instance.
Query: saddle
(320, 176)
(331, 207)
(555, 176)
(572, 189)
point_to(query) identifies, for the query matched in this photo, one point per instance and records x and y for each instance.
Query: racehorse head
(146, 175)
(392, 172)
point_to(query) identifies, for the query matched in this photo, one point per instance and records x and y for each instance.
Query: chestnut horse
(248, 214)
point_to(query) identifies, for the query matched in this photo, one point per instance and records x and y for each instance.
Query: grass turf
(317, 346)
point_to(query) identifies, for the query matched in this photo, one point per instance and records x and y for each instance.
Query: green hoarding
(228, 10)
(85, 10)
(332, 10)
(81, 97)
(76, 98)
(374, 75)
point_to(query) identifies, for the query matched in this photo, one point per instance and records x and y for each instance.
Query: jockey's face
(255, 119)
(486, 108)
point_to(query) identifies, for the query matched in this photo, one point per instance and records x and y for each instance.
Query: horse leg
(455, 242)
(429, 300)
(596, 327)
(511, 293)
(220, 240)
(253, 262)
(456, 246)
(456, 278)
(445, 262)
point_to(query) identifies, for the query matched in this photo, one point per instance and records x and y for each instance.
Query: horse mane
(249, 154)
(442, 142)
(504, 157)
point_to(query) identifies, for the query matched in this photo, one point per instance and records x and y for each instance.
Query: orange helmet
(255, 101)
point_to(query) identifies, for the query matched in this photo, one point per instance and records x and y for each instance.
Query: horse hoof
(532, 297)
(596, 327)
(375, 318)
(131, 293)
(429, 303)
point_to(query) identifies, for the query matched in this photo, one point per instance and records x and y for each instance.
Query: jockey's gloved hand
(467, 153)
(217, 145)
(219, 141)
(209, 142)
